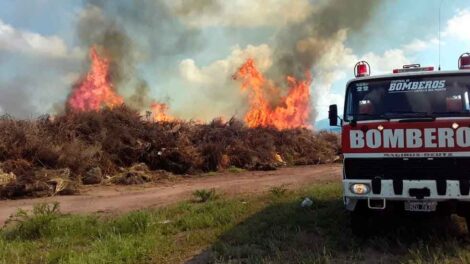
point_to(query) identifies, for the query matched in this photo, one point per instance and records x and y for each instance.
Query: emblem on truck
(410, 138)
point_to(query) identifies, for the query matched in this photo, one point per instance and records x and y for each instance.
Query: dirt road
(114, 199)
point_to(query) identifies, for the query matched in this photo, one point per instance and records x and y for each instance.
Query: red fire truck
(406, 141)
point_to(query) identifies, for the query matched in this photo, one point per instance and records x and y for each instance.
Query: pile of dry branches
(92, 146)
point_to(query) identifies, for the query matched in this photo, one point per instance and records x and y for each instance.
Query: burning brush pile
(48, 156)
(99, 139)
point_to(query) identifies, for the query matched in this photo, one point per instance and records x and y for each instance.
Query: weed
(234, 169)
(279, 191)
(204, 195)
(212, 173)
(33, 225)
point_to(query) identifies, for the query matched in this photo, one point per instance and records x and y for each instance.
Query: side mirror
(333, 115)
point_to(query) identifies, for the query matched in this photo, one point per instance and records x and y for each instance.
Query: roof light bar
(464, 61)
(413, 68)
(362, 69)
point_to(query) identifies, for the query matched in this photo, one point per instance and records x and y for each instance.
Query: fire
(95, 90)
(159, 112)
(293, 109)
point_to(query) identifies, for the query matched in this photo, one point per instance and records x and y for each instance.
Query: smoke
(298, 47)
(197, 7)
(314, 40)
(157, 33)
(131, 34)
(95, 29)
(9, 98)
(141, 96)
(240, 13)
(210, 90)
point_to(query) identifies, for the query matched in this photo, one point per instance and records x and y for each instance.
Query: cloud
(15, 40)
(337, 65)
(458, 26)
(386, 62)
(37, 71)
(221, 69)
(241, 13)
(213, 86)
(419, 45)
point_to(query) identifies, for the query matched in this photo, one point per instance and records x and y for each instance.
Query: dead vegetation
(53, 155)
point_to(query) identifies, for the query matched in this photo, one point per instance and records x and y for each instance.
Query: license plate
(420, 206)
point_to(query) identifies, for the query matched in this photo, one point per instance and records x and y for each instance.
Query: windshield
(410, 96)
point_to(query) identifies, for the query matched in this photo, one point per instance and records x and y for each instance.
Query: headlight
(360, 188)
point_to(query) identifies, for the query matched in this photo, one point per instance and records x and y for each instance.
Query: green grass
(278, 191)
(233, 169)
(256, 229)
(204, 195)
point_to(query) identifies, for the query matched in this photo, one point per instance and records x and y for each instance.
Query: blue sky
(41, 55)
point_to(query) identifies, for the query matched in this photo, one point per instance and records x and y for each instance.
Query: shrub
(204, 195)
(35, 224)
(278, 191)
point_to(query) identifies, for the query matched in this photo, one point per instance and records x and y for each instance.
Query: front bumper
(388, 193)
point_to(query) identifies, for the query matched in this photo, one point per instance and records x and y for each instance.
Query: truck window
(411, 96)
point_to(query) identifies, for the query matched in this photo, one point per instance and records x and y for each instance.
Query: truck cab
(406, 141)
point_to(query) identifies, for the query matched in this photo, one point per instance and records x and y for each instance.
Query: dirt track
(115, 199)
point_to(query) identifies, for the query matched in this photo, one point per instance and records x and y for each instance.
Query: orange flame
(95, 90)
(159, 112)
(293, 109)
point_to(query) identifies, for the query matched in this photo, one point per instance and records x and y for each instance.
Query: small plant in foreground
(204, 195)
(234, 169)
(278, 191)
(35, 224)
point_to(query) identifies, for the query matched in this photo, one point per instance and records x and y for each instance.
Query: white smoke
(241, 13)
(211, 91)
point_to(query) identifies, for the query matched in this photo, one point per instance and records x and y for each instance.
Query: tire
(360, 223)
(467, 220)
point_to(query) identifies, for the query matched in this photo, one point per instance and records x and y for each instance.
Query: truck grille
(411, 169)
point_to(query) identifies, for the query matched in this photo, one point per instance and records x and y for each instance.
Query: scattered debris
(138, 174)
(307, 202)
(6, 178)
(93, 176)
(63, 186)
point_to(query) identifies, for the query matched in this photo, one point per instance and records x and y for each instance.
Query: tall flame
(159, 112)
(291, 111)
(95, 90)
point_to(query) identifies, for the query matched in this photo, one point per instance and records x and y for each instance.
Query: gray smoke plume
(154, 29)
(134, 32)
(198, 7)
(299, 46)
(95, 29)
(153, 33)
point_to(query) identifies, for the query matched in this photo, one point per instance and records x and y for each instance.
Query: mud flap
(350, 204)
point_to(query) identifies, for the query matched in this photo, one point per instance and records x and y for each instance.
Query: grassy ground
(271, 228)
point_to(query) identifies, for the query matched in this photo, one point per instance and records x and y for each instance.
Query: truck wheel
(467, 220)
(360, 223)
